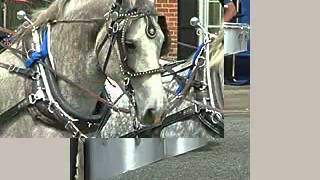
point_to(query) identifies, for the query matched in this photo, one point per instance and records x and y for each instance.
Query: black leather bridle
(120, 20)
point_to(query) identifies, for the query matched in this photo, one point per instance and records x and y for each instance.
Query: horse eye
(130, 44)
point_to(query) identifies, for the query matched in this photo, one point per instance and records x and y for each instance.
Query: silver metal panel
(177, 146)
(106, 158)
(236, 37)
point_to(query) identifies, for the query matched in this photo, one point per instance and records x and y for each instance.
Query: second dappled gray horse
(119, 123)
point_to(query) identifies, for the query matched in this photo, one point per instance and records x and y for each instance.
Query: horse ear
(167, 41)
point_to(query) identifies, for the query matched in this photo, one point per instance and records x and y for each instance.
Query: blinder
(120, 20)
(150, 28)
(167, 39)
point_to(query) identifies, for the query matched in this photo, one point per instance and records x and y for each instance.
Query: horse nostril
(150, 116)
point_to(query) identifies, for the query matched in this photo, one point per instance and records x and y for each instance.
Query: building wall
(169, 8)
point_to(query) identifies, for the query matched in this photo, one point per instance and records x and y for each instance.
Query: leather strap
(13, 111)
(148, 132)
(87, 91)
(20, 71)
(113, 40)
(13, 49)
(213, 123)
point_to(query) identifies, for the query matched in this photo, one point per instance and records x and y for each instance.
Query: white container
(236, 37)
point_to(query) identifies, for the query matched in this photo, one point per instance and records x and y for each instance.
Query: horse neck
(72, 47)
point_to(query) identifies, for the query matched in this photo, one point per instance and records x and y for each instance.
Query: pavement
(236, 100)
(222, 159)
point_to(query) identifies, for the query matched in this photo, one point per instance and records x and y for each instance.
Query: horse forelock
(216, 50)
(139, 4)
(217, 42)
(148, 5)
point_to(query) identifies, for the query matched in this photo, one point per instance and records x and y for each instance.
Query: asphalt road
(224, 159)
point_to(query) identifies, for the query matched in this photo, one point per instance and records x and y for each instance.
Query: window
(215, 13)
(211, 15)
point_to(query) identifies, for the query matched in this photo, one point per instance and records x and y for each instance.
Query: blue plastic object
(194, 59)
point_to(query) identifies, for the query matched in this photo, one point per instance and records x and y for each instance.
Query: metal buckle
(75, 130)
(36, 76)
(29, 53)
(50, 107)
(115, 27)
(33, 98)
(199, 32)
(218, 115)
(136, 124)
(126, 81)
(12, 68)
(197, 109)
(204, 85)
(214, 115)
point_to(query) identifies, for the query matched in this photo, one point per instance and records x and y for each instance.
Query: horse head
(139, 39)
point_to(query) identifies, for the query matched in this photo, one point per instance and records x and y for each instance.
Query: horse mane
(140, 4)
(216, 48)
(40, 17)
(56, 10)
(215, 45)
(44, 15)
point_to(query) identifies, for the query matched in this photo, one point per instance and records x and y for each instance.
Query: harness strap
(106, 37)
(20, 71)
(93, 20)
(149, 72)
(97, 97)
(113, 40)
(211, 122)
(13, 49)
(180, 116)
(200, 104)
(172, 72)
(13, 111)
(68, 124)
(185, 90)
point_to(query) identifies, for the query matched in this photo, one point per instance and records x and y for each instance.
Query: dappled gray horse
(76, 56)
(119, 123)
